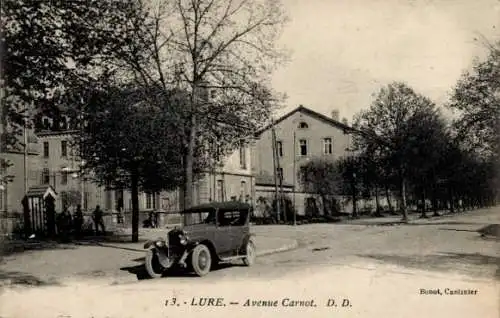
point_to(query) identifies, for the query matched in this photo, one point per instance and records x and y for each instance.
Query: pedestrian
(97, 216)
(78, 220)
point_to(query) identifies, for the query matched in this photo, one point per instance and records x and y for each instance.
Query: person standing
(97, 216)
(78, 220)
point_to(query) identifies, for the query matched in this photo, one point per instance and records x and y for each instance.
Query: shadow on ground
(24, 279)
(140, 270)
(9, 247)
(470, 264)
(13, 247)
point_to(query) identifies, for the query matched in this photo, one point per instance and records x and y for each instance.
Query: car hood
(193, 232)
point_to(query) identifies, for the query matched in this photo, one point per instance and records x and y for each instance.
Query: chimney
(345, 121)
(335, 114)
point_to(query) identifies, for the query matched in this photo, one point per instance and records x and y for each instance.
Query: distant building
(301, 135)
(52, 160)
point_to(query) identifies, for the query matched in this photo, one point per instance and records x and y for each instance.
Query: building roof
(311, 113)
(268, 180)
(41, 191)
(326, 119)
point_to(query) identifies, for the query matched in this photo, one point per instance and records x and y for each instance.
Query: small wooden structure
(39, 210)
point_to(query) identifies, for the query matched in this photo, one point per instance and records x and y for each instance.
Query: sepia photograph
(249, 158)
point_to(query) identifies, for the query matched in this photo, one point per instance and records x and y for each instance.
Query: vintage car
(211, 233)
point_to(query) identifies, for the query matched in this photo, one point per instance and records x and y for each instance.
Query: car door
(223, 235)
(238, 229)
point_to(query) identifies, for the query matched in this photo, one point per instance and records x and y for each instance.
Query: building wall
(12, 193)
(231, 180)
(316, 132)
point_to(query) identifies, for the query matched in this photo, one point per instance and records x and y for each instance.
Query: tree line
(405, 146)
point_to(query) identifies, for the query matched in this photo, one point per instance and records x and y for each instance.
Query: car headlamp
(183, 239)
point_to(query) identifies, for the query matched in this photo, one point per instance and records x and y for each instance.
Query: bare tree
(221, 53)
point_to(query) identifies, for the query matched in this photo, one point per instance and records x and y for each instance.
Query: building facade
(51, 161)
(301, 135)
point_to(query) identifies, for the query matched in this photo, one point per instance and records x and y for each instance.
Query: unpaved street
(380, 267)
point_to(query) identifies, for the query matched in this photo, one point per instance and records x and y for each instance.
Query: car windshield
(199, 217)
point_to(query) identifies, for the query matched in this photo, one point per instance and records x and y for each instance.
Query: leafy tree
(323, 178)
(397, 118)
(476, 98)
(50, 48)
(130, 143)
(221, 53)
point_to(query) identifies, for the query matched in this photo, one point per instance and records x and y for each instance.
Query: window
(279, 145)
(149, 200)
(64, 148)
(279, 173)
(234, 218)
(64, 178)
(303, 173)
(86, 199)
(213, 94)
(327, 146)
(108, 200)
(243, 190)
(45, 176)
(303, 147)
(46, 149)
(243, 156)
(46, 123)
(220, 190)
(303, 125)
(2, 189)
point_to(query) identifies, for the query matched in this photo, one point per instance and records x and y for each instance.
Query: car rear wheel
(251, 253)
(201, 260)
(153, 266)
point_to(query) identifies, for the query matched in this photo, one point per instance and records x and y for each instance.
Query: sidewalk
(480, 216)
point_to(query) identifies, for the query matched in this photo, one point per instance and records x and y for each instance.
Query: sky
(343, 51)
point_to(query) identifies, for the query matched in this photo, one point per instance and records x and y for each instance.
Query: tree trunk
(354, 200)
(451, 199)
(423, 206)
(188, 166)
(377, 202)
(389, 202)
(403, 198)
(135, 204)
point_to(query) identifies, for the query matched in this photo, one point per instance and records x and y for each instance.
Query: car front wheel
(153, 266)
(251, 253)
(201, 260)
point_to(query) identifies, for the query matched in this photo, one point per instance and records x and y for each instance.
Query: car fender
(246, 238)
(162, 257)
(208, 243)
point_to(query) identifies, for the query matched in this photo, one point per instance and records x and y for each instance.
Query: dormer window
(303, 125)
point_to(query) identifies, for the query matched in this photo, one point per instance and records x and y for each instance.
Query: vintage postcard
(250, 158)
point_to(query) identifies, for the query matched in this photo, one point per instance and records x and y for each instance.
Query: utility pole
(276, 195)
(280, 177)
(294, 177)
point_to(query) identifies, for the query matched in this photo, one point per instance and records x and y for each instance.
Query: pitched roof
(268, 180)
(41, 191)
(328, 120)
(311, 113)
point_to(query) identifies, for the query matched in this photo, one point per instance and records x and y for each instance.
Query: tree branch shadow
(9, 278)
(444, 262)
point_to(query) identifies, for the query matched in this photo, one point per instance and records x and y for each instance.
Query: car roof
(229, 205)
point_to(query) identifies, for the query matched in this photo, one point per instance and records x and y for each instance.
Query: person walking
(97, 216)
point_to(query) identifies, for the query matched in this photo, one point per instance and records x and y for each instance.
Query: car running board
(231, 258)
